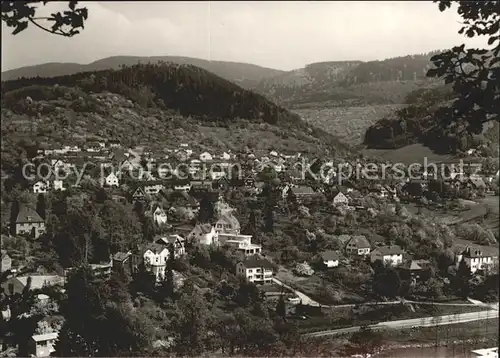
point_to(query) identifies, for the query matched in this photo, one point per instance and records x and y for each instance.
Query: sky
(281, 35)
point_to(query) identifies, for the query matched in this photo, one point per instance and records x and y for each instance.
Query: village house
(227, 224)
(17, 284)
(201, 185)
(300, 192)
(255, 269)
(155, 258)
(172, 241)
(153, 187)
(6, 262)
(389, 255)
(138, 194)
(204, 234)
(42, 345)
(413, 269)
(159, 216)
(247, 248)
(242, 243)
(340, 199)
(29, 222)
(124, 262)
(40, 187)
(112, 180)
(477, 259)
(357, 245)
(330, 258)
(113, 143)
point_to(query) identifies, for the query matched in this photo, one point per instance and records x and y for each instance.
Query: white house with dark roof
(42, 345)
(340, 199)
(391, 255)
(29, 222)
(255, 269)
(112, 180)
(242, 243)
(155, 258)
(175, 241)
(357, 245)
(478, 258)
(330, 258)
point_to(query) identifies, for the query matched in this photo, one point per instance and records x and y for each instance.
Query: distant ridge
(244, 74)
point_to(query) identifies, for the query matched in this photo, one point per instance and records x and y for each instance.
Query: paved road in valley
(306, 300)
(415, 322)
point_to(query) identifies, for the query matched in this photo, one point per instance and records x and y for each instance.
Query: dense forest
(244, 74)
(188, 89)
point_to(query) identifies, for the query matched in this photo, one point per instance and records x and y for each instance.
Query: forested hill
(349, 82)
(169, 91)
(186, 88)
(243, 74)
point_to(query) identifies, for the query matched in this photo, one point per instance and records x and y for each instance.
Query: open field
(348, 123)
(414, 153)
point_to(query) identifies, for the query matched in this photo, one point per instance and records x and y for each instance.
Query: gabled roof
(330, 255)
(121, 256)
(167, 240)
(138, 191)
(38, 281)
(360, 241)
(231, 220)
(205, 228)
(302, 190)
(390, 250)
(28, 215)
(153, 246)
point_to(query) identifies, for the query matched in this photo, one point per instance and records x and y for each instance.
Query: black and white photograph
(250, 179)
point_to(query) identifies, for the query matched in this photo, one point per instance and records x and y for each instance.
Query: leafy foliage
(19, 14)
(474, 73)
